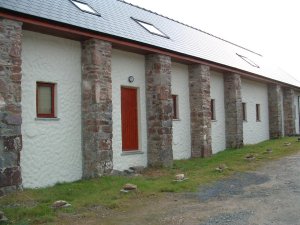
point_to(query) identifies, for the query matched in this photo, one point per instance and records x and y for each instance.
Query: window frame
(94, 12)
(213, 109)
(175, 112)
(249, 61)
(140, 22)
(257, 108)
(244, 111)
(46, 115)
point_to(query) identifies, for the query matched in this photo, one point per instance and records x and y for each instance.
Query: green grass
(34, 206)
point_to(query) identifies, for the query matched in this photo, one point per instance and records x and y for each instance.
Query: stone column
(199, 89)
(10, 105)
(233, 110)
(289, 112)
(96, 108)
(275, 114)
(159, 110)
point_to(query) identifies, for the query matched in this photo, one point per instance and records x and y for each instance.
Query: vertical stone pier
(233, 110)
(275, 107)
(10, 105)
(159, 110)
(96, 108)
(199, 89)
(289, 112)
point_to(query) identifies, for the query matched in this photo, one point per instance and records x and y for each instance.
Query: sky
(268, 27)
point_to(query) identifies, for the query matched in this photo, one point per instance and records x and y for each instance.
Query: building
(94, 85)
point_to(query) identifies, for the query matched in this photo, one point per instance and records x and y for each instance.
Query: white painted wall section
(218, 125)
(255, 93)
(51, 148)
(181, 127)
(125, 64)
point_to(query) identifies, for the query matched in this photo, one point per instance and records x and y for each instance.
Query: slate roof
(116, 20)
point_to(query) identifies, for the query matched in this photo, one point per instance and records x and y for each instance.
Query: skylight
(150, 28)
(85, 7)
(248, 60)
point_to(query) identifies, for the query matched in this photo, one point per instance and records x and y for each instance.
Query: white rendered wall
(125, 64)
(255, 93)
(51, 148)
(181, 127)
(296, 112)
(218, 125)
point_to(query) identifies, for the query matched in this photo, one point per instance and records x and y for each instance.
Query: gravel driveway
(270, 195)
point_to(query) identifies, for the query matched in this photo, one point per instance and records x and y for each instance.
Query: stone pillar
(199, 88)
(275, 114)
(289, 112)
(96, 108)
(233, 110)
(159, 110)
(10, 105)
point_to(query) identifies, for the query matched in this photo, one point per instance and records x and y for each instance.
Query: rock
(221, 168)
(269, 150)
(129, 172)
(137, 169)
(250, 156)
(287, 143)
(129, 187)
(179, 176)
(3, 217)
(60, 204)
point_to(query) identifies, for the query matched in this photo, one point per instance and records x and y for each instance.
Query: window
(212, 109)
(244, 108)
(150, 28)
(249, 61)
(45, 100)
(85, 7)
(257, 112)
(175, 107)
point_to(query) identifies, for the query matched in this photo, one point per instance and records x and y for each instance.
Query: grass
(34, 206)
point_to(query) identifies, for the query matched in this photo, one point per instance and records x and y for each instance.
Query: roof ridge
(148, 10)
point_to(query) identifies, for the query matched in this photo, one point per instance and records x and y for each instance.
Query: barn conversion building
(91, 86)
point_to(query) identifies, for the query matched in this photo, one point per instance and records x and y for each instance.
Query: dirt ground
(271, 195)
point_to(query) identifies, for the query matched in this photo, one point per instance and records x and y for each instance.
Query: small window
(257, 112)
(175, 107)
(150, 28)
(244, 108)
(45, 100)
(249, 61)
(212, 109)
(85, 7)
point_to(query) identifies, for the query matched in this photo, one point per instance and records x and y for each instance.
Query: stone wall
(10, 105)
(289, 111)
(199, 88)
(96, 108)
(275, 115)
(233, 110)
(159, 110)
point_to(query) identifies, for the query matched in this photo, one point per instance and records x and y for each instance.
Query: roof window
(150, 28)
(248, 60)
(85, 7)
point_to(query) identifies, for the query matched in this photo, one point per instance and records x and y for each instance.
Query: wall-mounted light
(130, 79)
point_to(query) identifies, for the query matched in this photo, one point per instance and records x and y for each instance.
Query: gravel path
(270, 196)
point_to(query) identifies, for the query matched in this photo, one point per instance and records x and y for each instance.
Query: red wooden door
(129, 119)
